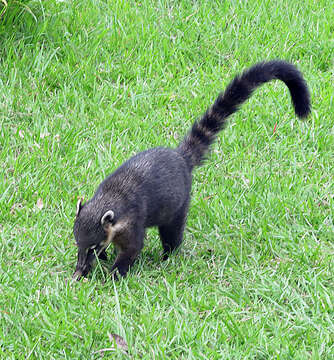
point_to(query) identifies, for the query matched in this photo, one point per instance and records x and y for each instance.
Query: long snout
(86, 259)
(82, 264)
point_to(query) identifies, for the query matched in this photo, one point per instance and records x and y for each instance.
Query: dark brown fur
(153, 187)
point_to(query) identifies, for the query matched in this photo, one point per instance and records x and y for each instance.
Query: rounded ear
(107, 219)
(79, 206)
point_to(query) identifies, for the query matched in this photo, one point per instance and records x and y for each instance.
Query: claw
(77, 275)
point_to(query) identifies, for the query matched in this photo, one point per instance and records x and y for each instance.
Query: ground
(84, 85)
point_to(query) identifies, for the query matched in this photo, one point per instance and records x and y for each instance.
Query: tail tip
(303, 109)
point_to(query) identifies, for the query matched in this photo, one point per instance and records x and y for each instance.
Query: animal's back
(159, 181)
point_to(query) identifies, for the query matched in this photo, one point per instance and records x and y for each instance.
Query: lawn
(84, 85)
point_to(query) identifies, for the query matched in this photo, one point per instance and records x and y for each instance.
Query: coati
(153, 187)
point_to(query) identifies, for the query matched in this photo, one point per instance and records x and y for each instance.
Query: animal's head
(93, 233)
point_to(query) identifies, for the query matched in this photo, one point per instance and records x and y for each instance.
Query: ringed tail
(204, 131)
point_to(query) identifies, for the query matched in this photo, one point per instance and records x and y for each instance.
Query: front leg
(128, 246)
(124, 261)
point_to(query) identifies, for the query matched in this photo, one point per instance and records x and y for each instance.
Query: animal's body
(153, 187)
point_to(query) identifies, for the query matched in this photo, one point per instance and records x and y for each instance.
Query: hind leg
(171, 234)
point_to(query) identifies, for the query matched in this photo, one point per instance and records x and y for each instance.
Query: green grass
(86, 84)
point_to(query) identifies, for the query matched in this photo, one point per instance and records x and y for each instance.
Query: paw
(165, 255)
(103, 255)
(114, 276)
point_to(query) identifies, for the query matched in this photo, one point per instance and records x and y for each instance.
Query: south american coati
(153, 187)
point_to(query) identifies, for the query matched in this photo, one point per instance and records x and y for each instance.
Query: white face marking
(105, 243)
(111, 232)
